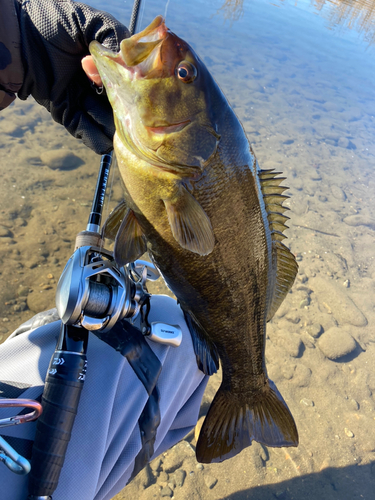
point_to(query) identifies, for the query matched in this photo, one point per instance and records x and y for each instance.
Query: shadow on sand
(356, 482)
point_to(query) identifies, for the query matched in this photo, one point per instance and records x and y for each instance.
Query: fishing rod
(107, 298)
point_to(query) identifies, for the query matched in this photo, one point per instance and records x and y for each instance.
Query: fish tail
(232, 424)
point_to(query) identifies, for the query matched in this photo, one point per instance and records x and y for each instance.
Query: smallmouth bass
(210, 218)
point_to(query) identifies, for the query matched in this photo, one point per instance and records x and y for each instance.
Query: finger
(91, 71)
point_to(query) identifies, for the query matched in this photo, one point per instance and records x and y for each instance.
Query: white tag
(166, 334)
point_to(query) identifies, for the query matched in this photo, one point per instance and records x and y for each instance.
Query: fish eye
(186, 72)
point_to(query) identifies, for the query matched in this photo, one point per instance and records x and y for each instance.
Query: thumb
(91, 71)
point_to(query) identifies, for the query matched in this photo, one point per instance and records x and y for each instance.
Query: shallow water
(300, 77)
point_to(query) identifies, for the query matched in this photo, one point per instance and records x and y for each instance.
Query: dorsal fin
(283, 262)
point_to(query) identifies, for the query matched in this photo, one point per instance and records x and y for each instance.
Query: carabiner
(15, 462)
(20, 419)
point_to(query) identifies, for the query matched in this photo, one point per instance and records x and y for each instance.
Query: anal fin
(205, 351)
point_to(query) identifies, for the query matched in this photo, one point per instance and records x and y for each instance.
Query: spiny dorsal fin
(275, 207)
(277, 217)
(268, 188)
(269, 181)
(268, 173)
(283, 261)
(274, 199)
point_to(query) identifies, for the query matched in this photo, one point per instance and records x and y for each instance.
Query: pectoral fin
(190, 225)
(130, 242)
(113, 222)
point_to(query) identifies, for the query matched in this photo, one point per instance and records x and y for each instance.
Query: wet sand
(303, 121)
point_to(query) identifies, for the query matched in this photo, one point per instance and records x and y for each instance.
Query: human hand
(55, 35)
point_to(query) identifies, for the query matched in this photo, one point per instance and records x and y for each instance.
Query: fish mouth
(139, 54)
(168, 129)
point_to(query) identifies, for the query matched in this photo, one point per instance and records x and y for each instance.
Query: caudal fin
(231, 424)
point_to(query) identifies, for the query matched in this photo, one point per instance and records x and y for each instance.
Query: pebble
(12, 129)
(353, 404)
(5, 233)
(360, 220)
(338, 193)
(336, 343)
(280, 494)
(349, 433)
(301, 376)
(23, 291)
(210, 481)
(288, 371)
(282, 310)
(163, 476)
(174, 458)
(304, 303)
(292, 343)
(343, 142)
(156, 464)
(314, 330)
(41, 300)
(293, 318)
(59, 159)
(307, 402)
(146, 477)
(333, 297)
(180, 476)
(308, 341)
(166, 492)
(303, 288)
(33, 262)
(302, 278)
(315, 176)
(19, 222)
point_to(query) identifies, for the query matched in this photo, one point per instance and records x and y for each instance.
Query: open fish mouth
(139, 54)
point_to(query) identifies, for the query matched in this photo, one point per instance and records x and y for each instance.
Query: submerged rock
(338, 193)
(314, 330)
(360, 220)
(336, 343)
(333, 297)
(59, 159)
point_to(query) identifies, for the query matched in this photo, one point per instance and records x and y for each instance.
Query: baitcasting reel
(94, 293)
